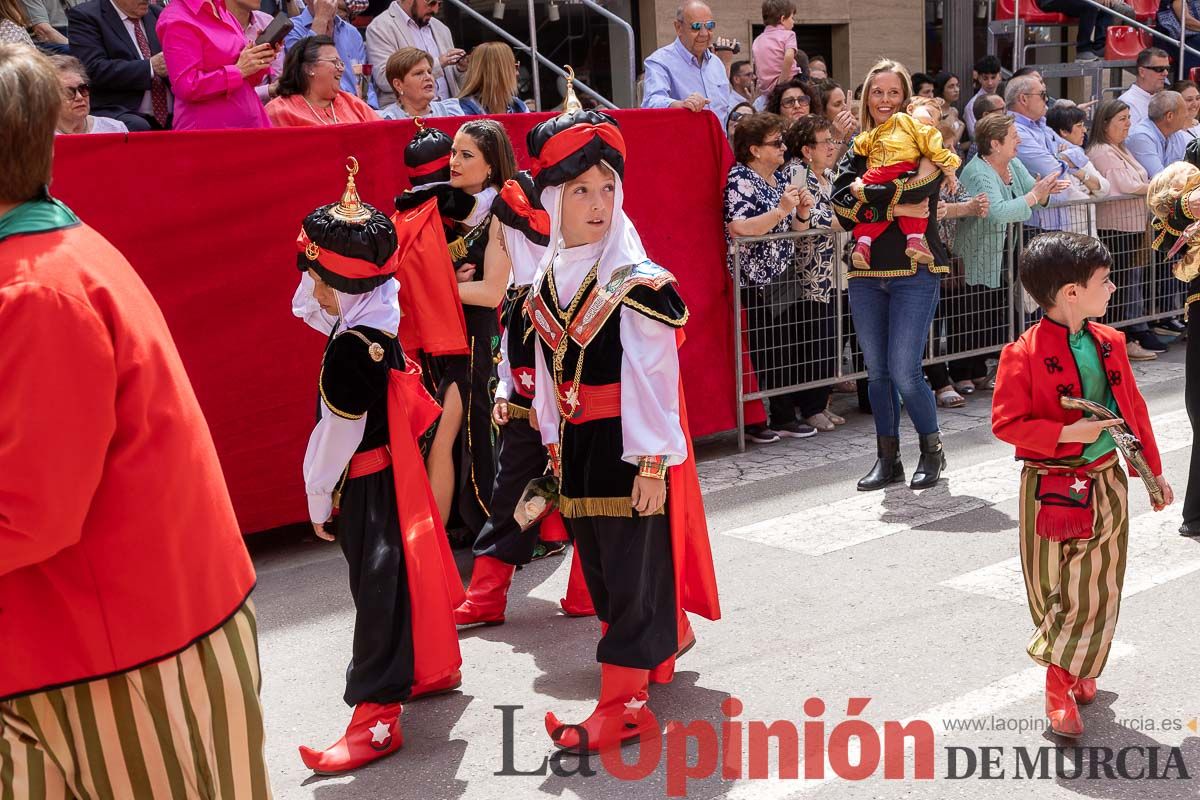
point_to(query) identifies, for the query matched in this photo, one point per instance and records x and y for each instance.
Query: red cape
(429, 301)
(695, 578)
(434, 587)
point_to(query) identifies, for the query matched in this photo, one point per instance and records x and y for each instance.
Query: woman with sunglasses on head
(73, 116)
(740, 111)
(310, 90)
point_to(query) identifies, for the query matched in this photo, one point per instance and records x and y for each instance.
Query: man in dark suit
(116, 42)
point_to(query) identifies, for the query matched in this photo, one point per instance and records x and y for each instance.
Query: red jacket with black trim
(1038, 368)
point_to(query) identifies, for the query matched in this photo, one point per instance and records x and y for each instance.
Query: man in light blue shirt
(1025, 97)
(685, 73)
(321, 18)
(1161, 137)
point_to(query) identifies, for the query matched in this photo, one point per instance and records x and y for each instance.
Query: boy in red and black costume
(1074, 515)
(363, 459)
(522, 228)
(609, 407)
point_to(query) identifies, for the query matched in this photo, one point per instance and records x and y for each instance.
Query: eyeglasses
(337, 62)
(825, 143)
(81, 89)
(734, 116)
(789, 102)
(776, 143)
(1042, 94)
(1160, 70)
(708, 26)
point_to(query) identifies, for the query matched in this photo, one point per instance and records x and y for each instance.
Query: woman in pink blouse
(1121, 224)
(213, 71)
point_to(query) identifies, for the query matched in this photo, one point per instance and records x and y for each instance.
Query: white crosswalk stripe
(865, 517)
(1157, 554)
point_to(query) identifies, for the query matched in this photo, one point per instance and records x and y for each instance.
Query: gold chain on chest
(560, 352)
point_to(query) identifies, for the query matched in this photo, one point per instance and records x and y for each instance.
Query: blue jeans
(892, 318)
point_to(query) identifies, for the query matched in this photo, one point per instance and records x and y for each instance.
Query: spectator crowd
(1016, 155)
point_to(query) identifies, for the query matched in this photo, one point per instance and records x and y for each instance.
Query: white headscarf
(622, 245)
(378, 308)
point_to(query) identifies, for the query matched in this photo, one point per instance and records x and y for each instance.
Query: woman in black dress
(461, 448)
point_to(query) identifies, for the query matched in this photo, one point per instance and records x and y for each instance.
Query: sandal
(984, 384)
(834, 418)
(820, 421)
(950, 398)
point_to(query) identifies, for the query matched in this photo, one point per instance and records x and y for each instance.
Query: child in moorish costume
(610, 409)
(363, 452)
(1174, 200)
(520, 228)
(1074, 515)
(895, 149)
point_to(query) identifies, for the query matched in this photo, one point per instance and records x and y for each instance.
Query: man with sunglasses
(685, 73)
(1039, 146)
(1153, 70)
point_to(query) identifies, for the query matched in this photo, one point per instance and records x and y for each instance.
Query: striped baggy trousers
(189, 726)
(1074, 587)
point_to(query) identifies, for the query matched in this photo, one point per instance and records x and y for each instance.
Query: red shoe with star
(621, 717)
(373, 732)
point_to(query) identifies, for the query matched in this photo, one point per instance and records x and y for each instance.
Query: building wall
(870, 29)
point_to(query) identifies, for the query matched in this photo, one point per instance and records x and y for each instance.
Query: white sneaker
(1139, 353)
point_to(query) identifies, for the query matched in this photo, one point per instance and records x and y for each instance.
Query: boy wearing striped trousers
(128, 656)
(1074, 517)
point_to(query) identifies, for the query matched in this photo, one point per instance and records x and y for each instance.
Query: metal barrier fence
(795, 334)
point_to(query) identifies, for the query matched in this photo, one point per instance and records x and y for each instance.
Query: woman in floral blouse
(814, 149)
(759, 201)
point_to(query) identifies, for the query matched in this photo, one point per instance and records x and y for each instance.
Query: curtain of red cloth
(209, 220)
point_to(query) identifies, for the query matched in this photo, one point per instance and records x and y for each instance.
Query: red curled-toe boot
(621, 716)
(1085, 691)
(578, 602)
(373, 732)
(487, 595)
(665, 671)
(441, 686)
(1060, 705)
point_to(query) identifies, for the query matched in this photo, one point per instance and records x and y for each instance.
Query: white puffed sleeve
(306, 307)
(545, 406)
(649, 390)
(503, 370)
(330, 448)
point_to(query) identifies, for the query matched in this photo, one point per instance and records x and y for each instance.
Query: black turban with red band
(352, 257)
(570, 144)
(427, 156)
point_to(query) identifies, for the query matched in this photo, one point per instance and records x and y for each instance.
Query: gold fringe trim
(516, 412)
(572, 507)
(936, 269)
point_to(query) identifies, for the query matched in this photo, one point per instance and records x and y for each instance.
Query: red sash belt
(369, 462)
(592, 403)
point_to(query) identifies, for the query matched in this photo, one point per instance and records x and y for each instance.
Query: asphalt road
(913, 601)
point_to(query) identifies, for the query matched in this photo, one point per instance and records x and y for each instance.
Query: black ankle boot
(933, 461)
(887, 469)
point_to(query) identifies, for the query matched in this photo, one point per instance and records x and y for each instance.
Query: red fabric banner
(209, 220)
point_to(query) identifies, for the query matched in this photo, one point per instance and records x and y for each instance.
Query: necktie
(158, 89)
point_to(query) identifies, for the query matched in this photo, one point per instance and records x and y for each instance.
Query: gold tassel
(458, 249)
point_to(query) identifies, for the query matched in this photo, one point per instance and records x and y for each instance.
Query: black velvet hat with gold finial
(427, 156)
(570, 144)
(350, 244)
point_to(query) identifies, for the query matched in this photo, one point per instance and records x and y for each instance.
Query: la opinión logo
(853, 749)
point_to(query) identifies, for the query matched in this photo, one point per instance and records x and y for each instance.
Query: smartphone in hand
(274, 33)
